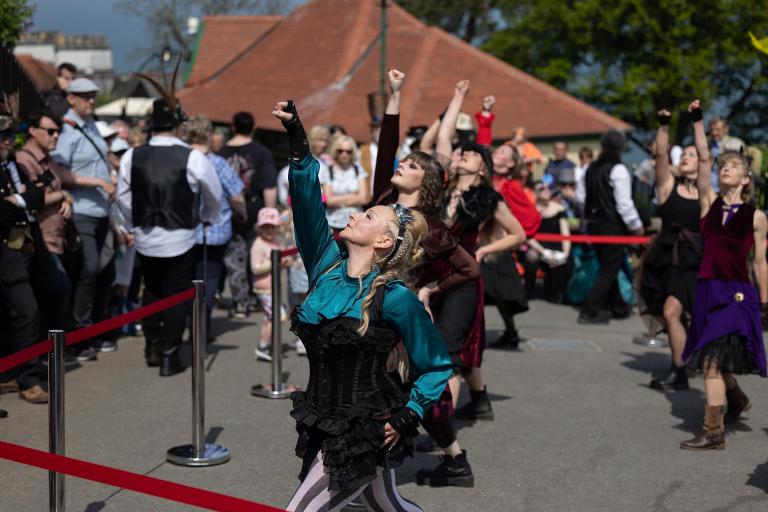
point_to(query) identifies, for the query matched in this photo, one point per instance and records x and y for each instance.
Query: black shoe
(478, 407)
(154, 356)
(3, 413)
(676, 380)
(87, 354)
(508, 340)
(594, 319)
(454, 471)
(171, 365)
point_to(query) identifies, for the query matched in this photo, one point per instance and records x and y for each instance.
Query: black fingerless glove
(764, 314)
(664, 119)
(298, 145)
(696, 115)
(404, 421)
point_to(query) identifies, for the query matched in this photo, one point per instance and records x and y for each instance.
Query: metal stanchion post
(198, 453)
(651, 339)
(56, 417)
(276, 389)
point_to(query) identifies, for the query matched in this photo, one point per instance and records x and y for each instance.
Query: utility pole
(383, 52)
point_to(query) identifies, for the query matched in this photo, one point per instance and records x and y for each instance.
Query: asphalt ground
(576, 429)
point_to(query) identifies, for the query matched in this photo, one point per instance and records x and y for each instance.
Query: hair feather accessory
(167, 92)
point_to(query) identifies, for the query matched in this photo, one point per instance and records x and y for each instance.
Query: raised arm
(703, 179)
(664, 179)
(448, 125)
(313, 235)
(389, 136)
(429, 139)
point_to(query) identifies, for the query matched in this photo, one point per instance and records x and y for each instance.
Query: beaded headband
(404, 217)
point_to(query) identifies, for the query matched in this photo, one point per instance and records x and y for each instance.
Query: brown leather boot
(713, 437)
(737, 402)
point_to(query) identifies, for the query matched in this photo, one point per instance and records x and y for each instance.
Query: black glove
(404, 421)
(664, 118)
(298, 144)
(764, 314)
(696, 115)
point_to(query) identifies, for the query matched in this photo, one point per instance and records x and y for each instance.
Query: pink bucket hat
(268, 216)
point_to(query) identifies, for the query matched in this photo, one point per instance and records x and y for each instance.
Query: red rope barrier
(131, 481)
(593, 239)
(289, 252)
(80, 335)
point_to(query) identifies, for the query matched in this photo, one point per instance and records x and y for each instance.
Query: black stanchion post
(56, 417)
(275, 389)
(198, 453)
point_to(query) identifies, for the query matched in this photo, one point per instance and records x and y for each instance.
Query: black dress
(346, 392)
(672, 264)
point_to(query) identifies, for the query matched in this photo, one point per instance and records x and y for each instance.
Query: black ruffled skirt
(729, 353)
(351, 445)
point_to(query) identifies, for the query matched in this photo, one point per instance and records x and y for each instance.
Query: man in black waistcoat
(609, 210)
(165, 189)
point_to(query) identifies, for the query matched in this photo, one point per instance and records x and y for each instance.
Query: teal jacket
(336, 294)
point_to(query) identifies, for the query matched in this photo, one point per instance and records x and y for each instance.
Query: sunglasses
(50, 131)
(349, 151)
(86, 95)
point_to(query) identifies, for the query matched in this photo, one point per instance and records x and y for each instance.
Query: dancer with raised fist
(364, 331)
(726, 335)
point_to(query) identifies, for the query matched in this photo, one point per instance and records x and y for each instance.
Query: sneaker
(34, 395)
(300, 348)
(263, 353)
(87, 354)
(108, 346)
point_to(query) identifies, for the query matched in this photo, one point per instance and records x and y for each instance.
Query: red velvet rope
(593, 239)
(131, 481)
(80, 335)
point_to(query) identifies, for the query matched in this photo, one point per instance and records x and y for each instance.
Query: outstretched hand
(280, 112)
(396, 78)
(462, 88)
(664, 116)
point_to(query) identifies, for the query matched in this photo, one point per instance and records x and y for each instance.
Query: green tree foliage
(14, 19)
(471, 20)
(630, 57)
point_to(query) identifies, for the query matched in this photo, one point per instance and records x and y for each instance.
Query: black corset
(347, 372)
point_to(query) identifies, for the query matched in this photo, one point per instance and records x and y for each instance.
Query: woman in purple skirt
(726, 336)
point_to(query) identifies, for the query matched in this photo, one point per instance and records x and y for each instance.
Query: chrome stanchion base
(650, 341)
(212, 455)
(266, 391)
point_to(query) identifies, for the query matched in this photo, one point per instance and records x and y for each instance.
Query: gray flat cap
(82, 85)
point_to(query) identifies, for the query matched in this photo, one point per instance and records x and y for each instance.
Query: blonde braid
(396, 267)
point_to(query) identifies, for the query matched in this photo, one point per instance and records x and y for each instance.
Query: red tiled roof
(223, 38)
(43, 74)
(325, 56)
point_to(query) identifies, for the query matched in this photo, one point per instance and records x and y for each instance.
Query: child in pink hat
(268, 222)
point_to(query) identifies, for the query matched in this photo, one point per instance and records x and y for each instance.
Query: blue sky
(125, 33)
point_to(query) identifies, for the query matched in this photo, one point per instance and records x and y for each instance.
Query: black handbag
(72, 242)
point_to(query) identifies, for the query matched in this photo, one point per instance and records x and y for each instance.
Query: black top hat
(482, 151)
(164, 116)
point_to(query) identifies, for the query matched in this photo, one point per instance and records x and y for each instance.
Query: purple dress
(726, 325)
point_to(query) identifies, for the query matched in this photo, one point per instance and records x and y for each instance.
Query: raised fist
(281, 113)
(395, 79)
(462, 88)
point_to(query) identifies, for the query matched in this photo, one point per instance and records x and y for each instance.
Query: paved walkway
(576, 429)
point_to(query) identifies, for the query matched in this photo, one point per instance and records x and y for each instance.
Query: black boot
(153, 354)
(478, 407)
(171, 364)
(454, 471)
(508, 340)
(676, 380)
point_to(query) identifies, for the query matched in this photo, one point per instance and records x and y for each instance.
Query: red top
(726, 247)
(484, 132)
(519, 204)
